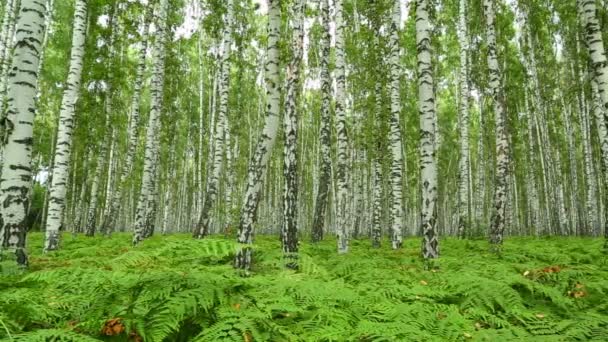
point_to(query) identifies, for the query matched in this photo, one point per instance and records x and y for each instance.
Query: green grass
(175, 288)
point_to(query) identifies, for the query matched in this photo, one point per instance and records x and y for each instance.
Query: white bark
(63, 147)
(395, 133)
(6, 41)
(497, 227)
(144, 220)
(343, 231)
(16, 170)
(265, 144)
(219, 147)
(426, 109)
(464, 196)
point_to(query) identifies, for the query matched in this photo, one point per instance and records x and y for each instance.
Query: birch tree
(117, 193)
(259, 162)
(464, 198)
(599, 63)
(395, 132)
(63, 147)
(325, 131)
(343, 230)
(497, 225)
(144, 219)
(426, 109)
(17, 155)
(219, 147)
(289, 231)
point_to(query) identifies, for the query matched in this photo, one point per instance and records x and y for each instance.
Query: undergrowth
(174, 288)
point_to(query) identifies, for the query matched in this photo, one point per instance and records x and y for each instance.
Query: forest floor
(174, 288)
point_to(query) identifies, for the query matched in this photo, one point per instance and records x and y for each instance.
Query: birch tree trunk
(202, 229)
(6, 40)
(395, 133)
(325, 132)
(289, 231)
(464, 198)
(502, 160)
(265, 144)
(343, 231)
(599, 64)
(132, 136)
(377, 171)
(16, 183)
(426, 109)
(144, 220)
(63, 147)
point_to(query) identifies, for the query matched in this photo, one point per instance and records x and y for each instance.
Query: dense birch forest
(303, 170)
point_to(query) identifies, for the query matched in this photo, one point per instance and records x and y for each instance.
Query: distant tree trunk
(464, 198)
(497, 227)
(343, 230)
(118, 193)
(289, 231)
(16, 183)
(377, 172)
(63, 147)
(325, 133)
(426, 109)
(265, 144)
(144, 219)
(219, 147)
(395, 133)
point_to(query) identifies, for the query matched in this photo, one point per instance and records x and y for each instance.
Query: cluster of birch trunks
(191, 142)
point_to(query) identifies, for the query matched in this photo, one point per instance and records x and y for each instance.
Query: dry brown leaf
(467, 335)
(422, 282)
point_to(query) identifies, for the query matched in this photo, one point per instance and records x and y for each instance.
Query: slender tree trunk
(289, 231)
(325, 133)
(464, 198)
(7, 34)
(219, 147)
(16, 183)
(377, 172)
(63, 147)
(497, 227)
(395, 133)
(144, 219)
(118, 193)
(265, 144)
(426, 109)
(343, 231)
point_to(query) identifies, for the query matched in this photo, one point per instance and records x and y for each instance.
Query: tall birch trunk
(8, 32)
(395, 133)
(63, 147)
(265, 144)
(426, 109)
(325, 132)
(464, 198)
(343, 231)
(376, 175)
(219, 147)
(144, 220)
(599, 63)
(16, 183)
(289, 231)
(497, 227)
